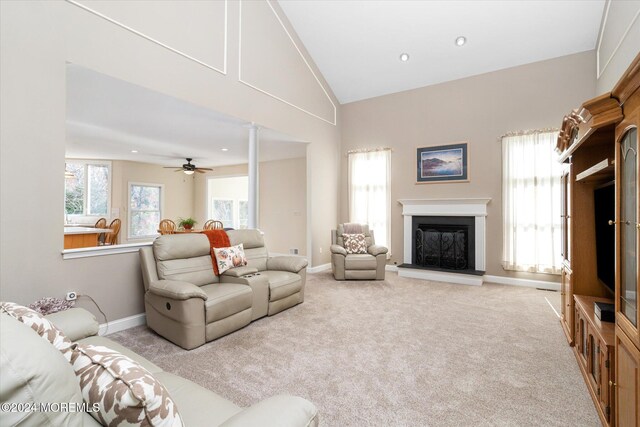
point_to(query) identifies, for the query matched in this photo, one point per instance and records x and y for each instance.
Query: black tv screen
(605, 210)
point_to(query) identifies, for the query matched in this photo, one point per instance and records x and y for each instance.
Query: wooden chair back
(213, 225)
(101, 223)
(112, 238)
(167, 226)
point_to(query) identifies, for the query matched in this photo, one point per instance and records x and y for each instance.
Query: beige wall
(178, 192)
(38, 39)
(283, 204)
(478, 110)
(618, 43)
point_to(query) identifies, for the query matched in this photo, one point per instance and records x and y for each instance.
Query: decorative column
(253, 176)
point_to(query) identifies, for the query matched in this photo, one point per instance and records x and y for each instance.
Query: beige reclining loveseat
(189, 305)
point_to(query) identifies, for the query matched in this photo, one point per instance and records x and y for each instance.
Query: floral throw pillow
(355, 243)
(230, 257)
(125, 392)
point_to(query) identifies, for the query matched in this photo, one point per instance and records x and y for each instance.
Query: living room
(258, 63)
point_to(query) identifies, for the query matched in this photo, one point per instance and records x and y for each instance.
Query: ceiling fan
(189, 168)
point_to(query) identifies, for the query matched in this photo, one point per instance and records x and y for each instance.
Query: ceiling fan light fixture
(188, 172)
(461, 40)
(404, 57)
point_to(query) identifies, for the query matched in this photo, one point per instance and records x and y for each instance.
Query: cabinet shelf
(601, 171)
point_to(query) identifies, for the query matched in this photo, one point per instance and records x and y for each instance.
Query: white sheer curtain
(531, 203)
(370, 192)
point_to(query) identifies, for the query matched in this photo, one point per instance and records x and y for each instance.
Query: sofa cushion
(26, 379)
(40, 324)
(198, 406)
(75, 323)
(355, 243)
(230, 257)
(360, 262)
(180, 246)
(125, 392)
(254, 249)
(282, 284)
(197, 270)
(226, 299)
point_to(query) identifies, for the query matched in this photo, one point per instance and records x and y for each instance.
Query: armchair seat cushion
(226, 299)
(282, 284)
(360, 262)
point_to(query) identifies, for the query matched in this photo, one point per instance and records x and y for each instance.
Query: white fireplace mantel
(475, 207)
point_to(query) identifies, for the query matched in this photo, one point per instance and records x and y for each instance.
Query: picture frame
(443, 163)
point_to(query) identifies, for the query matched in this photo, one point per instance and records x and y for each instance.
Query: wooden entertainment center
(598, 146)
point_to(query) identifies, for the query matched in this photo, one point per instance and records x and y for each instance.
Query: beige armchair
(369, 266)
(189, 305)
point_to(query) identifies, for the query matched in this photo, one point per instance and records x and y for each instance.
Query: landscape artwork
(442, 163)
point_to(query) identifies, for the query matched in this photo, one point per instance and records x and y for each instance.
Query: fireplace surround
(444, 239)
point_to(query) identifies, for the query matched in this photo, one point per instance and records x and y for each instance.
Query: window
(370, 192)
(145, 209)
(227, 198)
(87, 192)
(531, 203)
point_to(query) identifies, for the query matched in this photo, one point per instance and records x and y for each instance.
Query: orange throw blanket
(217, 239)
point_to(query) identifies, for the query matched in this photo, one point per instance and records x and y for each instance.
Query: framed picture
(444, 163)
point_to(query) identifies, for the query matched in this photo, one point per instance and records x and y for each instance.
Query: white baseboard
(391, 267)
(122, 324)
(319, 268)
(528, 283)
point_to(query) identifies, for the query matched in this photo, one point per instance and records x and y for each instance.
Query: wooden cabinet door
(627, 383)
(606, 378)
(566, 297)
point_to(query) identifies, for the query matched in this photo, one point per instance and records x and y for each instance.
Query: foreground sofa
(189, 305)
(33, 371)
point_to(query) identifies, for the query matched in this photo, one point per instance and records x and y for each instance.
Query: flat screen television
(605, 210)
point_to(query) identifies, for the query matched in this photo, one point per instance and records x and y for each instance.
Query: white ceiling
(107, 118)
(357, 44)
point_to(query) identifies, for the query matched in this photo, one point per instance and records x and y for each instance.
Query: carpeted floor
(402, 352)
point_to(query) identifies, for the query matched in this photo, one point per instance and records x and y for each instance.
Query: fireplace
(444, 240)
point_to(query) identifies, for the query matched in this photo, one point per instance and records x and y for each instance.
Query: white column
(253, 176)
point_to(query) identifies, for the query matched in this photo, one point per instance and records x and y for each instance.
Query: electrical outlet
(294, 251)
(72, 296)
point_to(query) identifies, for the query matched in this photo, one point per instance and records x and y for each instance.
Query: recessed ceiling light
(461, 41)
(404, 57)
(224, 149)
(134, 151)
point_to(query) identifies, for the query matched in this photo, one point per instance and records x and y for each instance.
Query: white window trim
(210, 180)
(129, 210)
(86, 162)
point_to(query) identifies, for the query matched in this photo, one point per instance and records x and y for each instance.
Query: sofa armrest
(177, 290)
(281, 411)
(376, 250)
(240, 271)
(75, 323)
(292, 264)
(339, 250)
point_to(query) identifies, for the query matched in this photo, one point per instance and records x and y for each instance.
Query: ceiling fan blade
(168, 167)
(200, 170)
(204, 169)
(178, 170)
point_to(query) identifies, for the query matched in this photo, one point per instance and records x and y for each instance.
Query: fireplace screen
(442, 246)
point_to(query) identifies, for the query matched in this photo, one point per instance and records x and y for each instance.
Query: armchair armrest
(240, 271)
(176, 290)
(337, 249)
(292, 264)
(75, 323)
(376, 250)
(281, 411)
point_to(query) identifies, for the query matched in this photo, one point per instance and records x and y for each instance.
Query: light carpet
(399, 352)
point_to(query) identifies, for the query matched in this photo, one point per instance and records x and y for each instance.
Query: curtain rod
(527, 132)
(368, 150)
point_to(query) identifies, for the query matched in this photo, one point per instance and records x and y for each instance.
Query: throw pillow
(38, 323)
(125, 392)
(355, 243)
(230, 257)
